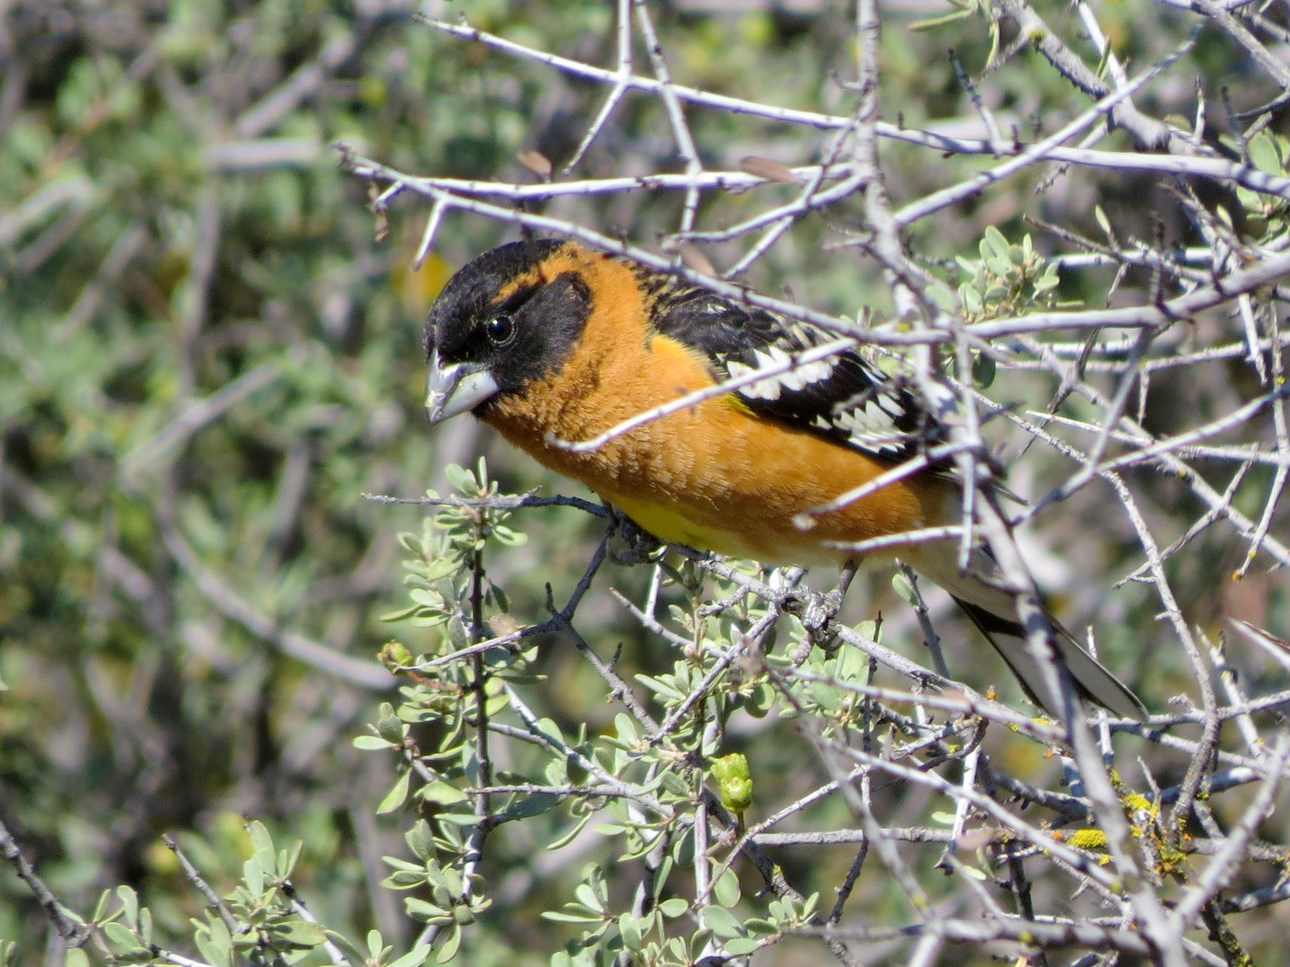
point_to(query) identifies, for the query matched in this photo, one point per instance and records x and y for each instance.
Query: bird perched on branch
(717, 425)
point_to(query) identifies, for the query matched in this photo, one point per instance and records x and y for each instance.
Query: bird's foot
(628, 543)
(817, 612)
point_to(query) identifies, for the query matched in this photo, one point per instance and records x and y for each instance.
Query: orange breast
(713, 475)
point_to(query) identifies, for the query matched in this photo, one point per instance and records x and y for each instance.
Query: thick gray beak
(456, 388)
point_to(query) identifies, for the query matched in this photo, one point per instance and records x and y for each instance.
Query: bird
(556, 345)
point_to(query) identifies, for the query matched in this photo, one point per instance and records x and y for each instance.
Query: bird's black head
(508, 317)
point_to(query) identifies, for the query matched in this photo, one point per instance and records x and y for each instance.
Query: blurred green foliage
(207, 357)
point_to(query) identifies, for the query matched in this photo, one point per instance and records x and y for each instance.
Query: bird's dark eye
(500, 330)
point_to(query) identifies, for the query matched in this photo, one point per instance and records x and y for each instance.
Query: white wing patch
(870, 425)
(834, 391)
(794, 379)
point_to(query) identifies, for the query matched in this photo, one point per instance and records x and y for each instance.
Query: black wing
(842, 396)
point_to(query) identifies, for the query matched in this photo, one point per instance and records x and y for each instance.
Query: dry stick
(1223, 866)
(194, 876)
(67, 926)
(1077, 863)
(1268, 271)
(620, 88)
(1149, 132)
(1249, 327)
(1233, 696)
(1032, 154)
(564, 619)
(1187, 164)
(845, 327)
(832, 757)
(1178, 443)
(1044, 932)
(688, 400)
(1244, 902)
(976, 704)
(912, 304)
(200, 412)
(1281, 427)
(675, 115)
(812, 197)
(1174, 464)
(1241, 34)
(1146, 903)
(1206, 747)
(1208, 743)
(734, 181)
(481, 799)
(1265, 272)
(303, 83)
(1218, 169)
(1111, 414)
(718, 669)
(534, 733)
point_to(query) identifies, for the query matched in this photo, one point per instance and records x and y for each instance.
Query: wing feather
(843, 397)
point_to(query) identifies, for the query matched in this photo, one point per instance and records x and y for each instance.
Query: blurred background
(210, 352)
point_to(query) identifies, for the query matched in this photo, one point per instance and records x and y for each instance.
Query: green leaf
(721, 922)
(352, 952)
(932, 23)
(101, 907)
(904, 588)
(760, 700)
(726, 890)
(983, 370)
(288, 858)
(462, 480)
(572, 913)
(675, 783)
(1264, 153)
(215, 943)
(415, 957)
(253, 876)
(674, 907)
(425, 911)
(629, 928)
(441, 793)
(565, 838)
(450, 945)
(741, 946)
(509, 537)
(129, 904)
(1103, 221)
(299, 934)
(529, 806)
(261, 841)
(120, 938)
(994, 244)
(588, 897)
(397, 796)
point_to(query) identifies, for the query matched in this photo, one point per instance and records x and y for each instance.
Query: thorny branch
(1107, 862)
(1212, 307)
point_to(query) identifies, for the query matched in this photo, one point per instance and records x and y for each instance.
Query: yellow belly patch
(673, 527)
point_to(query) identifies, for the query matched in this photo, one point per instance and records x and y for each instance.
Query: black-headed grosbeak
(553, 344)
